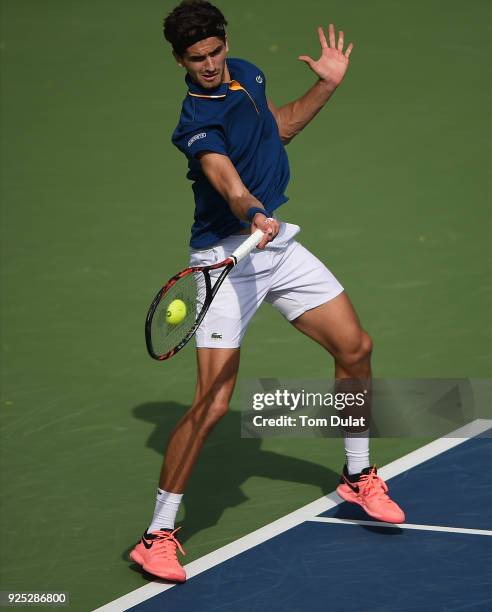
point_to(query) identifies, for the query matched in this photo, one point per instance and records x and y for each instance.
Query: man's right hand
(269, 226)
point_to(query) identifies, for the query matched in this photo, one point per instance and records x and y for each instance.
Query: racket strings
(166, 335)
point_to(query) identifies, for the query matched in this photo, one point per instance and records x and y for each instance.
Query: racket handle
(247, 246)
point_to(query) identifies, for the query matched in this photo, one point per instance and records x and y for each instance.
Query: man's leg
(336, 327)
(216, 376)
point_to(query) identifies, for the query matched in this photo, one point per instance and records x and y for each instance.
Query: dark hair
(191, 21)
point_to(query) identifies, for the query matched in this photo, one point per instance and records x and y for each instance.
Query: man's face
(205, 61)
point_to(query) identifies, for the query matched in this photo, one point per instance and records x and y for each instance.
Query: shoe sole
(354, 500)
(136, 558)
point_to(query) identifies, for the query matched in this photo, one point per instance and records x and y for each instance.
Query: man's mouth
(210, 77)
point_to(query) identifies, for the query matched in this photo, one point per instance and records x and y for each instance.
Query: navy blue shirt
(234, 120)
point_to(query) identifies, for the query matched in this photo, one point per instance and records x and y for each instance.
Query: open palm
(333, 63)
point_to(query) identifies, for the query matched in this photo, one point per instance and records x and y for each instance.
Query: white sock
(166, 508)
(357, 451)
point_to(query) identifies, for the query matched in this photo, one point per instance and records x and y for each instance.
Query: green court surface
(390, 185)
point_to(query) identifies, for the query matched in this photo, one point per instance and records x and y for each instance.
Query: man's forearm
(240, 205)
(224, 177)
(293, 117)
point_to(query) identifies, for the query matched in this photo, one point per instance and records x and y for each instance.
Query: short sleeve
(192, 139)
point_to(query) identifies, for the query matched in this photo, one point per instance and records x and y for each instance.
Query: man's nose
(209, 65)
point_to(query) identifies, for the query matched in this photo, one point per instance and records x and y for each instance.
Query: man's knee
(356, 350)
(206, 414)
(217, 409)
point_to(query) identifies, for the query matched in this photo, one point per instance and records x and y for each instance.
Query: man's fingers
(322, 38)
(306, 59)
(270, 228)
(264, 241)
(331, 34)
(340, 40)
(349, 50)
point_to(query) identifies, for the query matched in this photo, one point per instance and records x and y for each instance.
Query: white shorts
(284, 274)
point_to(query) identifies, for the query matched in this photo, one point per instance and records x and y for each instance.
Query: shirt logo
(196, 137)
(259, 79)
(216, 336)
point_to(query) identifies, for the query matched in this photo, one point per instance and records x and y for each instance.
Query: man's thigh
(216, 374)
(334, 325)
(300, 283)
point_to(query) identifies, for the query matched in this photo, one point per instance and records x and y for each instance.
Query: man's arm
(223, 176)
(330, 69)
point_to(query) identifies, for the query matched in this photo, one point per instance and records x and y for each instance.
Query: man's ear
(178, 59)
(226, 44)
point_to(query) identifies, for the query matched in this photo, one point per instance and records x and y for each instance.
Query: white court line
(298, 516)
(323, 519)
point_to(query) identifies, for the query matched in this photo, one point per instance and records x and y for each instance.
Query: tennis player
(234, 139)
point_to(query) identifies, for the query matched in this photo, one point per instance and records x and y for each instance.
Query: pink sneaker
(156, 553)
(371, 493)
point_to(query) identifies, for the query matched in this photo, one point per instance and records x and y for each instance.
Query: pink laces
(166, 543)
(371, 484)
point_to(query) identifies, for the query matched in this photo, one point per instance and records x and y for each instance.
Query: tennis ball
(176, 312)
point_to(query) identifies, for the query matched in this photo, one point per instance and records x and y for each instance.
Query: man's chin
(210, 83)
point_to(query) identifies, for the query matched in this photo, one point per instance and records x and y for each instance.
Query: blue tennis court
(339, 559)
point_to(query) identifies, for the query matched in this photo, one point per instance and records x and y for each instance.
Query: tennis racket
(180, 306)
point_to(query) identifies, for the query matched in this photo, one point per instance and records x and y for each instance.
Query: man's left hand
(333, 63)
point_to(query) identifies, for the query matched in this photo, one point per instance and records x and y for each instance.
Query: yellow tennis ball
(176, 312)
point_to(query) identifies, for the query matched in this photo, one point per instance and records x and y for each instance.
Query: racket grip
(247, 246)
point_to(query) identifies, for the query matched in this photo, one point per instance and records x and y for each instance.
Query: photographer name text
(306, 421)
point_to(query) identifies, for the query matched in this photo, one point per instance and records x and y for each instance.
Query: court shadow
(225, 463)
